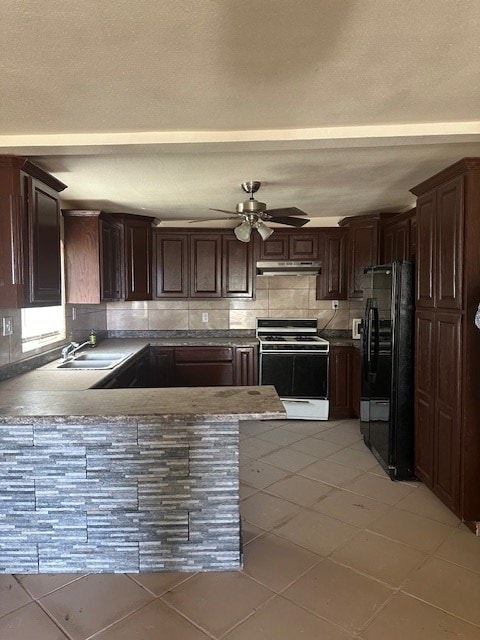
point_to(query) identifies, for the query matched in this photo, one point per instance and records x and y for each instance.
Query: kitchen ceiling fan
(254, 214)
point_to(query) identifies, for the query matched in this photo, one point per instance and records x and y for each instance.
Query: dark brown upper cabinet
(205, 265)
(449, 241)
(93, 257)
(30, 272)
(396, 238)
(332, 282)
(137, 248)
(440, 236)
(291, 245)
(202, 264)
(362, 250)
(426, 267)
(303, 246)
(171, 264)
(277, 247)
(237, 268)
(111, 259)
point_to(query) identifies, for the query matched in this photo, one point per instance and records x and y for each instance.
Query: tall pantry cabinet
(447, 359)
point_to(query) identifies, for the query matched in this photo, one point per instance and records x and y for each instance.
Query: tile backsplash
(276, 296)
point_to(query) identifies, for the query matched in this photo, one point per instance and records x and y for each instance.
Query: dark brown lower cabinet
(344, 382)
(356, 381)
(438, 435)
(437, 419)
(135, 375)
(162, 366)
(203, 366)
(246, 367)
(424, 395)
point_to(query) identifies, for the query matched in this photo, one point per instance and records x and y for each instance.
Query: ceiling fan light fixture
(243, 232)
(264, 231)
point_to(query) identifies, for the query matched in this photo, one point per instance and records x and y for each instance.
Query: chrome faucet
(70, 350)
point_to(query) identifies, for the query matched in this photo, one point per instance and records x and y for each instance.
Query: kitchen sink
(101, 356)
(94, 361)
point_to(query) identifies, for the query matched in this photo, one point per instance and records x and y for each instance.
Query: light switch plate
(7, 326)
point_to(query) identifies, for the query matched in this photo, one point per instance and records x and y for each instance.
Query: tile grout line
(121, 619)
(189, 620)
(438, 608)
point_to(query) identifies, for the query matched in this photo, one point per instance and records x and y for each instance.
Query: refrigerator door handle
(376, 339)
(366, 339)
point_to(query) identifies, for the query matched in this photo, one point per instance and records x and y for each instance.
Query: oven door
(296, 375)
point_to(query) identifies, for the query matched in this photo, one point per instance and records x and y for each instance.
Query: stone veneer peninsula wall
(135, 494)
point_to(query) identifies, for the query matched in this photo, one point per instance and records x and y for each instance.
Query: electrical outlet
(7, 326)
(204, 317)
(334, 304)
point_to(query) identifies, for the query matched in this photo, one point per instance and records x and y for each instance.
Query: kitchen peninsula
(121, 480)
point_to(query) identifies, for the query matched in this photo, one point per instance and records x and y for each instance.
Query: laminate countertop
(52, 392)
(50, 378)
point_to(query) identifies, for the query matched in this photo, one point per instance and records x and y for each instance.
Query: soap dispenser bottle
(92, 339)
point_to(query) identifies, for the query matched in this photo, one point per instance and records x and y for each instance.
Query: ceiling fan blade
(225, 211)
(292, 222)
(213, 219)
(287, 211)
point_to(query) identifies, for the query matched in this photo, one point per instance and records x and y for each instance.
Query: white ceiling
(165, 107)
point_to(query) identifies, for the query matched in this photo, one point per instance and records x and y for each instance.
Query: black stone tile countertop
(66, 393)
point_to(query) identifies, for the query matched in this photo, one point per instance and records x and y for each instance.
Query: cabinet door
(43, 260)
(204, 366)
(413, 236)
(331, 283)
(82, 255)
(395, 243)
(355, 378)
(402, 240)
(362, 252)
(171, 265)
(138, 259)
(426, 207)
(110, 262)
(162, 365)
(246, 366)
(449, 244)
(205, 266)
(303, 246)
(237, 268)
(424, 395)
(276, 247)
(447, 409)
(340, 392)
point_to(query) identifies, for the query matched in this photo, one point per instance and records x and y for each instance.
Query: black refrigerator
(386, 401)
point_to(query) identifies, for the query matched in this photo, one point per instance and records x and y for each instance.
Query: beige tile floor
(333, 550)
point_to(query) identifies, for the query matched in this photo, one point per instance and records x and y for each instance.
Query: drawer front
(204, 354)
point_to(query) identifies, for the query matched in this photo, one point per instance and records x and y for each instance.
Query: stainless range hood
(289, 268)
